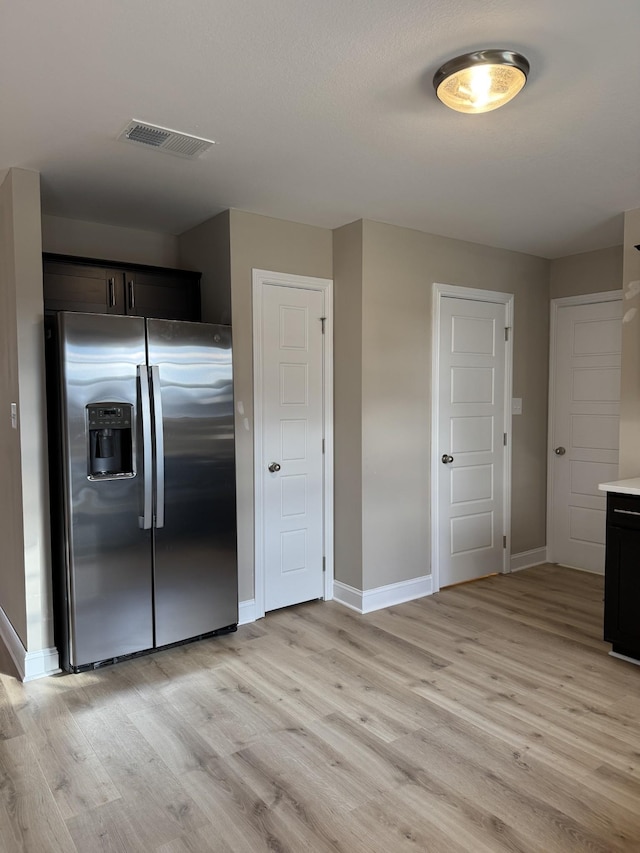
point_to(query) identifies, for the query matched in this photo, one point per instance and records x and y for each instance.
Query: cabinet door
(162, 295)
(622, 588)
(79, 287)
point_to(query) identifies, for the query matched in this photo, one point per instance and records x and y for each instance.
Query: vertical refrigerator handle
(159, 433)
(146, 519)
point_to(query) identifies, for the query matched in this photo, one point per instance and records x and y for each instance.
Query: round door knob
(560, 451)
(446, 458)
(274, 467)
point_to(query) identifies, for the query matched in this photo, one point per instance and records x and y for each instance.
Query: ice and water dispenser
(110, 444)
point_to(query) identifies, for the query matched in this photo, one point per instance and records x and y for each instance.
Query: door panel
(471, 426)
(586, 395)
(83, 288)
(195, 569)
(162, 296)
(109, 570)
(292, 407)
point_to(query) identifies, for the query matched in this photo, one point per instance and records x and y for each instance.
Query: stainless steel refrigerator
(144, 448)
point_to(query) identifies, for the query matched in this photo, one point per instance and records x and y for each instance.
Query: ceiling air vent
(164, 139)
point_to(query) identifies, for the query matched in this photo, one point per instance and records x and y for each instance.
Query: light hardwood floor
(486, 718)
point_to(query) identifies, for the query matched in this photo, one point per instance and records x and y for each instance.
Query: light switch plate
(14, 416)
(516, 405)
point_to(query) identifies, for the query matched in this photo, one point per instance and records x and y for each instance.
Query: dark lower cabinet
(106, 287)
(622, 575)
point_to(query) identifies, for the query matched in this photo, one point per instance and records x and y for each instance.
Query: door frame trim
(554, 306)
(476, 295)
(260, 278)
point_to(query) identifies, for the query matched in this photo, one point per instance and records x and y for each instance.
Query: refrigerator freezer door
(195, 569)
(108, 572)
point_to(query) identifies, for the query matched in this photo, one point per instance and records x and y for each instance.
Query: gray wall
(395, 404)
(399, 267)
(25, 579)
(207, 249)
(630, 380)
(347, 388)
(110, 242)
(261, 242)
(588, 272)
(12, 579)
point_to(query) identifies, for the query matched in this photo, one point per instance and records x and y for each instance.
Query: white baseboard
(30, 665)
(42, 663)
(527, 559)
(582, 569)
(246, 611)
(347, 595)
(368, 600)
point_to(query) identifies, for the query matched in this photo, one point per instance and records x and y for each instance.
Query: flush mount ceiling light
(481, 81)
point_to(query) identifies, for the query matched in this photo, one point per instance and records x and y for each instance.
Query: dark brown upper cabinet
(108, 287)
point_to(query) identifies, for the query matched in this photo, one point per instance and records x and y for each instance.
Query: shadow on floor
(7, 666)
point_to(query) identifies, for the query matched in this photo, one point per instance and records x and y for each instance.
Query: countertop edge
(630, 486)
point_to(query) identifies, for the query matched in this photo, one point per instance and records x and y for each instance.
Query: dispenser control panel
(111, 416)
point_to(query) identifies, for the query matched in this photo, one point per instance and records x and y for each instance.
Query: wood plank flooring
(486, 718)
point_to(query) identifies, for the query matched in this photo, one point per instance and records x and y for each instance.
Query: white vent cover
(164, 139)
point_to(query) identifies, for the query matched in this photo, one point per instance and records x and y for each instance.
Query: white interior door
(583, 441)
(471, 454)
(292, 444)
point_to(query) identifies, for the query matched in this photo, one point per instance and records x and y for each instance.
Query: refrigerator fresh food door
(108, 572)
(195, 567)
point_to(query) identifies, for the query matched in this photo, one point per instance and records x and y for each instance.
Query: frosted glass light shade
(481, 81)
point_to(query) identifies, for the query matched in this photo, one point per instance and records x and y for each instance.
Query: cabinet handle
(112, 293)
(132, 296)
(626, 512)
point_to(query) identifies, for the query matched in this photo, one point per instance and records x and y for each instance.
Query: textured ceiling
(324, 113)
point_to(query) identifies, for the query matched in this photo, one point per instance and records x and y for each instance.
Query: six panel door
(584, 439)
(470, 463)
(292, 409)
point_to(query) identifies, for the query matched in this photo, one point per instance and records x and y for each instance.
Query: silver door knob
(274, 467)
(446, 458)
(560, 451)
